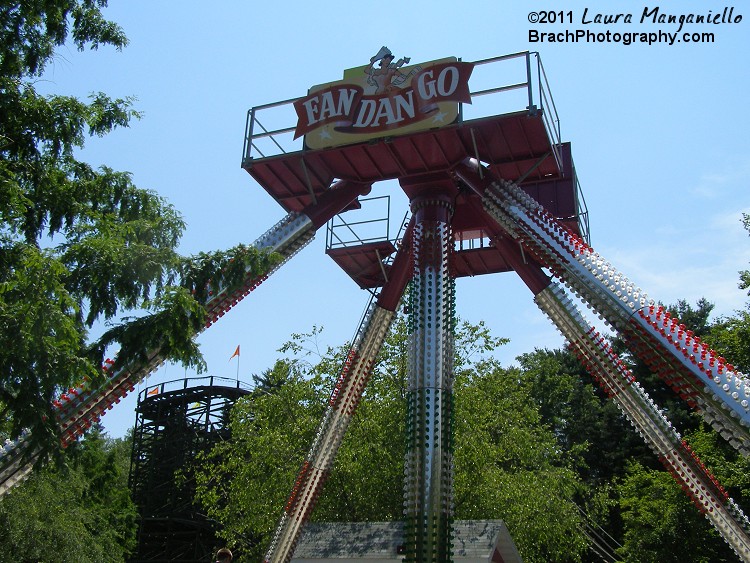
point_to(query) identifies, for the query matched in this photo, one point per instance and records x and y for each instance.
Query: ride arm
(700, 376)
(618, 382)
(345, 398)
(80, 407)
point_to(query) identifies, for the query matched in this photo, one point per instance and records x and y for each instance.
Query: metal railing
(582, 213)
(189, 382)
(538, 97)
(503, 84)
(269, 130)
(341, 233)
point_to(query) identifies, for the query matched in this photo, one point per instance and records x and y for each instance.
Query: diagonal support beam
(342, 405)
(673, 452)
(82, 406)
(706, 381)
(618, 382)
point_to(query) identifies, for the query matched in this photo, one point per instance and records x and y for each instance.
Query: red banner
(350, 111)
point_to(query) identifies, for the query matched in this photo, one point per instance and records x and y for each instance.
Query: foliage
(245, 481)
(638, 507)
(81, 512)
(507, 463)
(509, 466)
(745, 274)
(32, 31)
(674, 408)
(589, 428)
(593, 435)
(728, 465)
(661, 523)
(79, 246)
(731, 335)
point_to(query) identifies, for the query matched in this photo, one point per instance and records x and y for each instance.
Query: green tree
(697, 319)
(80, 512)
(731, 335)
(244, 483)
(593, 435)
(507, 463)
(659, 522)
(745, 274)
(662, 525)
(79, 245)
(589, 427)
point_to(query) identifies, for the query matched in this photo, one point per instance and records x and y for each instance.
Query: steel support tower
(428, 482)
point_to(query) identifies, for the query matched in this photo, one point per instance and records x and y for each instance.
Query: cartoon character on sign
(386, 77)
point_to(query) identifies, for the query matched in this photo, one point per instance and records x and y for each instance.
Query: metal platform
(515, 144)
(523, 146)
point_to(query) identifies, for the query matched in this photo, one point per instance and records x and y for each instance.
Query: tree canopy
(80, 245)
(508, 464)
(78, 512)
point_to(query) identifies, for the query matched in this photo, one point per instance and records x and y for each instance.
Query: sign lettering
(383, 99)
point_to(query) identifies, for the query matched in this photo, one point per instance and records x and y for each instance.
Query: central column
(428, 483)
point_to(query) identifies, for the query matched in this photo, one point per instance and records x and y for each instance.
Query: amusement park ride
(490, 194)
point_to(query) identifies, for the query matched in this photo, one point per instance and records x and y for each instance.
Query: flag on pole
(153, 391)
(236, 353)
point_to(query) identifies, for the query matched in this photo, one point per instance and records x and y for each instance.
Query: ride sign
(389, 97)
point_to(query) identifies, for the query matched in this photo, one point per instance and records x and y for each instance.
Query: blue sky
(659, 139)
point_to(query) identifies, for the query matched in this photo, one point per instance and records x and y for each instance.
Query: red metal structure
(488, 194)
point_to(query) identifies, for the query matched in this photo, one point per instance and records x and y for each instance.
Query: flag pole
(237, 353)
